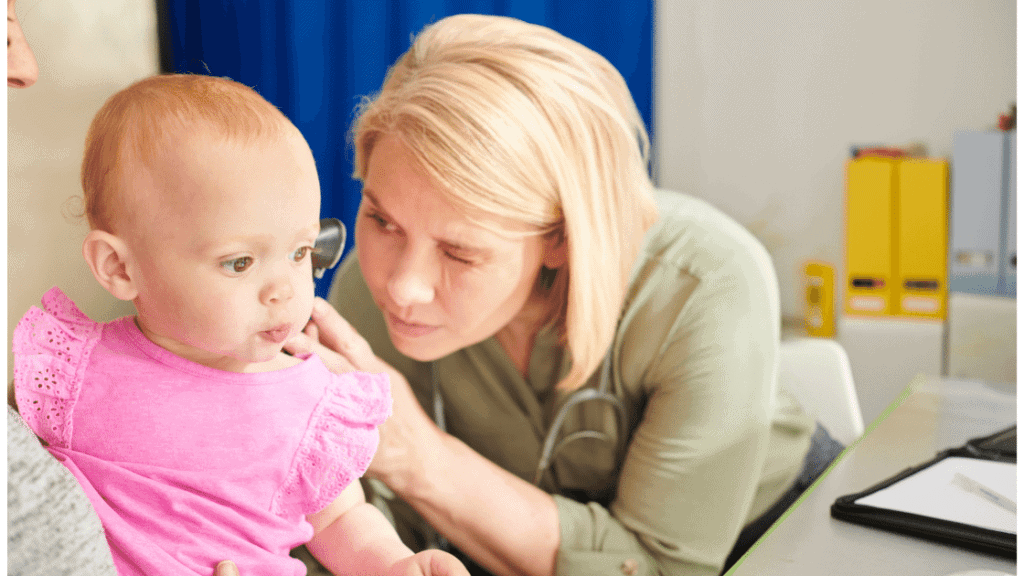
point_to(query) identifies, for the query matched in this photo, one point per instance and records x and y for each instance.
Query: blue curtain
(314, 59)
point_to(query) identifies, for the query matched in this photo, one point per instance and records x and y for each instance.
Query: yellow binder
(870, 251)
(922, 234)
(819, 304)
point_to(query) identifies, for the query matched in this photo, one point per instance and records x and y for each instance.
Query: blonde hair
(515, 121)
(138, 123)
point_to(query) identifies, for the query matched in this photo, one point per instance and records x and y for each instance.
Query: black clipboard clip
(1001, 446)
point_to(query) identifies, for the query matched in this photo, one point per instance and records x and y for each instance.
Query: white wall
(758, 102)
(87, 50)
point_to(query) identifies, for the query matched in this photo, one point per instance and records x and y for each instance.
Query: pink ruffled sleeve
(338, 444)
(51, 350)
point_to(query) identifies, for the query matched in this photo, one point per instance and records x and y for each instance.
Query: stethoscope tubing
(552, 444)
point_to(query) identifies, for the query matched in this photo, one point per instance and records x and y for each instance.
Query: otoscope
(328, 246)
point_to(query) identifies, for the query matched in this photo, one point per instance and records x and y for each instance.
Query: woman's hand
(503, 522)
(226, 568)
(429, 563)
(426, 563)
(405, 444)
(335, 341)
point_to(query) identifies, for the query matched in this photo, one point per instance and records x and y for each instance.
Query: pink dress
(188, 465)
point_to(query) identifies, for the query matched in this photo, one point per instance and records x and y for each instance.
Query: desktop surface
(936, 415)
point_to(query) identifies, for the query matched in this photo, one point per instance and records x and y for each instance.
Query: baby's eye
(237, 265)
(301, 253)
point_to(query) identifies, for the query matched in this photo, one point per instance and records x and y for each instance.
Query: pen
(975, 487)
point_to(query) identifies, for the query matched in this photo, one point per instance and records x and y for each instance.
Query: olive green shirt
(711, 442)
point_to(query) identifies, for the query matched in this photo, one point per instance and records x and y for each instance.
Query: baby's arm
(351, 536)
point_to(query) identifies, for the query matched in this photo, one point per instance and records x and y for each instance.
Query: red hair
(139, 122)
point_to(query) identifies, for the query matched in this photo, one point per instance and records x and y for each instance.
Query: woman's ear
(556, 250)
(107, 256)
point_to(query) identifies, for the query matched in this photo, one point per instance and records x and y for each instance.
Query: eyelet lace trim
(338, 445)
(51, 350)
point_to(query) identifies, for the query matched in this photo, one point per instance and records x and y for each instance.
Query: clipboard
(929, 501)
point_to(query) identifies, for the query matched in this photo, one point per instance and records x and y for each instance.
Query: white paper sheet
(932, 492)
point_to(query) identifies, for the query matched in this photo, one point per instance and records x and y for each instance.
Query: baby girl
(195, 436)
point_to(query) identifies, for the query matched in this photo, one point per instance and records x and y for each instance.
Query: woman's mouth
(277, 334)
(408, 329)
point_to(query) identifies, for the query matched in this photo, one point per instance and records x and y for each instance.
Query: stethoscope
(553, 443)
(326, 254)
(554, 440)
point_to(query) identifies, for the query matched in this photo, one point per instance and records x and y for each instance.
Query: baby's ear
(107, 256)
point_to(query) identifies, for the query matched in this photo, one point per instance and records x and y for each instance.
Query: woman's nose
(22, 69)
(413, 280)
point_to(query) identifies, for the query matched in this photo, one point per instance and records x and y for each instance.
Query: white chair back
(817, 372)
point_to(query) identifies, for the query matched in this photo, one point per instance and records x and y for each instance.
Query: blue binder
(982, 243)
(1008, 287)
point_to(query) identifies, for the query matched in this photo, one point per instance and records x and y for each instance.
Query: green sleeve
(694, 464)
(593, 542)
(701, 335)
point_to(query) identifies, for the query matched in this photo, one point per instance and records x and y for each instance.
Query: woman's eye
(301, 253)
(455, 258)
(237, 265)
(381, 222)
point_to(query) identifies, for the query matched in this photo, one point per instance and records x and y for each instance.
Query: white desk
(938, 414)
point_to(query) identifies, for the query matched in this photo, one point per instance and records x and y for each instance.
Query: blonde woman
(511, 266)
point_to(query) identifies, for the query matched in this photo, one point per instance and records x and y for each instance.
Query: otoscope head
(329, 244)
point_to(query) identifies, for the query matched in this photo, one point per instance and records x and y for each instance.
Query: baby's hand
(429, 563)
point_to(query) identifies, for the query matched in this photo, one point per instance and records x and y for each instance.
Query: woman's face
(442, 281)
(22, 70)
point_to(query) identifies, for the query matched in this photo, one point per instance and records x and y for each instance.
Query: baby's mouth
(277, 334)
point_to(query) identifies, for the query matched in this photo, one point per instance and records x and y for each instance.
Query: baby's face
(222, 260)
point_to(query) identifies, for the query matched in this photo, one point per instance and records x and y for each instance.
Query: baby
(195, 436)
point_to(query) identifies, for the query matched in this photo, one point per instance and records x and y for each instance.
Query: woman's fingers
(302, 344)
(335, 340)
(336, 333)
(312, 331)
(227, 568)
(331, 337)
